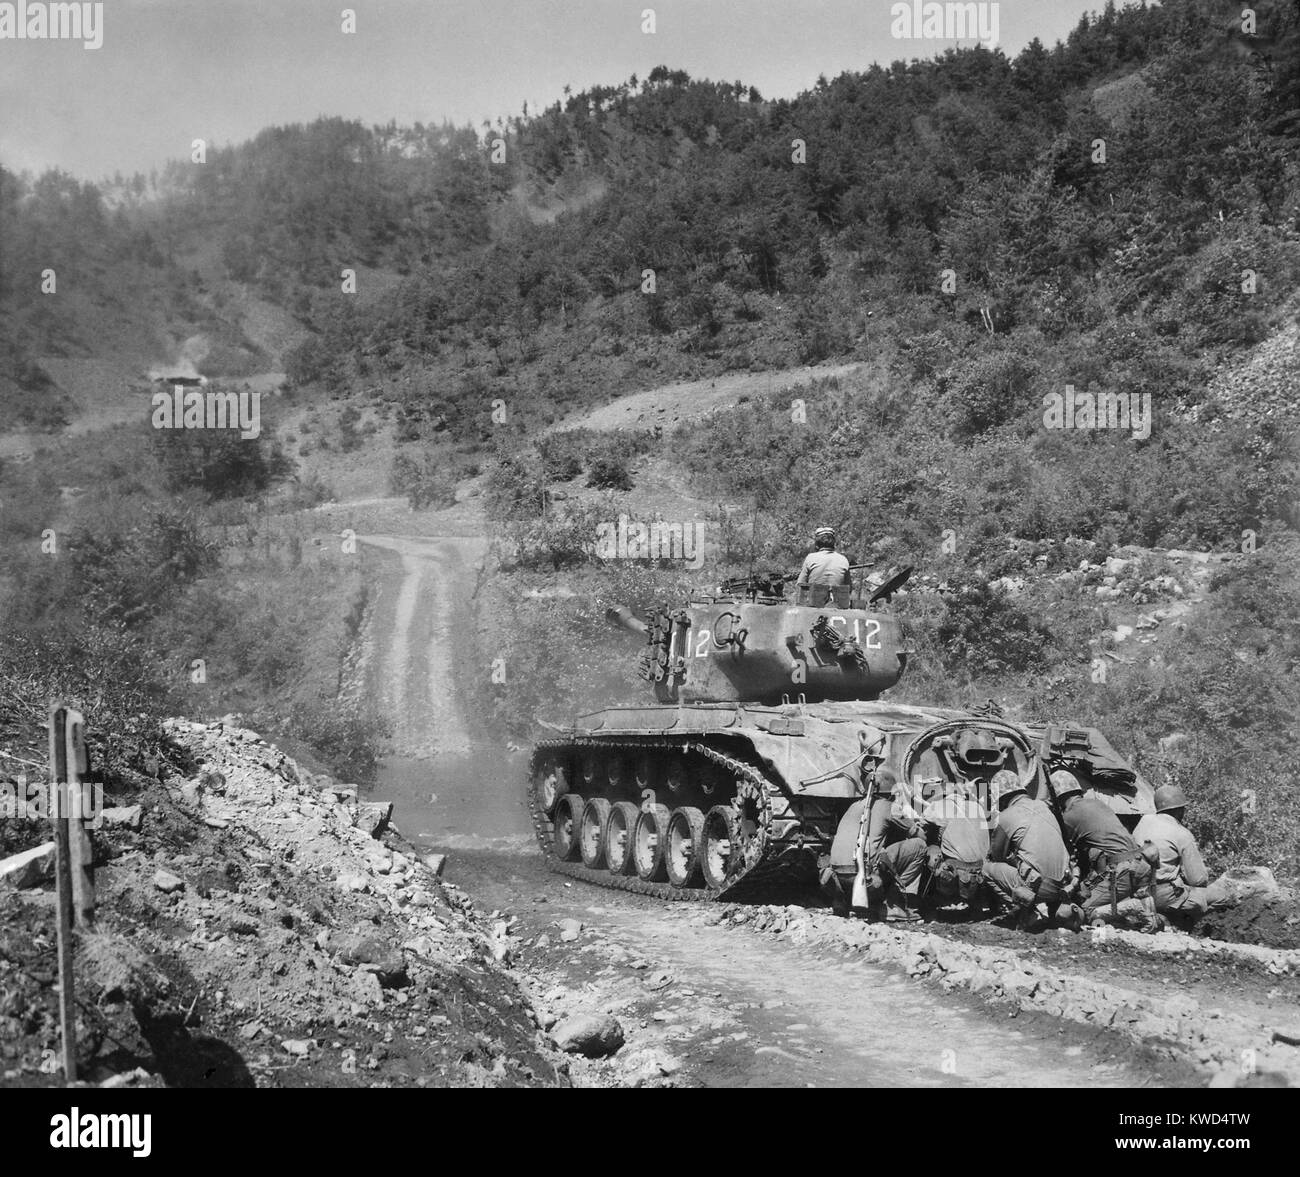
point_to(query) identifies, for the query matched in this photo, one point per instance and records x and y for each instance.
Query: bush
(350, 438)
(126, 568)
(515, 484)
(562, 538)
(1241, 813)
(424, 480)
(562, 455)
(219, 462)
(985, 631)
(348, 736)
(988, 389)
(109, 675)
(609, 474)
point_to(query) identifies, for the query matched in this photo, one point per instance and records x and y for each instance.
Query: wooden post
(81, 859)
(63, 885)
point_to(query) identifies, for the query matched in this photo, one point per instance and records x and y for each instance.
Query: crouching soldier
(1028, 862)
(1111, 863)
(893, 853)
(1183, 889)
(958, 825)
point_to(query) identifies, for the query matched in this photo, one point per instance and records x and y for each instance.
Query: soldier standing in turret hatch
(824, 566)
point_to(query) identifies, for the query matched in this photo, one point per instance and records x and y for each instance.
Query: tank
(764, 722)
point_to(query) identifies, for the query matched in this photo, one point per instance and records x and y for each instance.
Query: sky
(171, 71)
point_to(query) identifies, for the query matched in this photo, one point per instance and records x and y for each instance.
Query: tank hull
(702, 801)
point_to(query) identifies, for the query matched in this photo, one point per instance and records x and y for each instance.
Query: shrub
(609, 473)
(514, 488)
(125, 568)
(350, 438)
(988, 389)
(985, 631)
(562, 538)
(349, 736)
(219, 462)
(423, 478)
(562, 456)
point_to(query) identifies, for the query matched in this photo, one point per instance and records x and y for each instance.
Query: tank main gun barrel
(623, 616)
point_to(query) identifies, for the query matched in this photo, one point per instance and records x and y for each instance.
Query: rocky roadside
(256, 926)
(1227, 1042)
(628, 1020)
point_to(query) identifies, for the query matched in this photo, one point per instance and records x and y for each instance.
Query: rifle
(860, 898)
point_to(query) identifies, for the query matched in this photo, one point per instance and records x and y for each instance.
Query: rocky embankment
(256, 925)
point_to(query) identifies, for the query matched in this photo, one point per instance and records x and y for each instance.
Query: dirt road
(712, 1006)
(706, 1004)
(736, 1009)
(421, 631)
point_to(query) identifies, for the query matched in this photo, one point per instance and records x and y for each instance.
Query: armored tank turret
(766, 724)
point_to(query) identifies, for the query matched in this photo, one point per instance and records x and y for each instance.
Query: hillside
(897, 266)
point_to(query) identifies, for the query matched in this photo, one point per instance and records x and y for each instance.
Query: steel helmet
(1064, 783)
(824, 537)
(1170, 797)
(1005, 783)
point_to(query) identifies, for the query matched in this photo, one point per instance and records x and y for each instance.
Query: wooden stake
(63, 886)
(81, 860)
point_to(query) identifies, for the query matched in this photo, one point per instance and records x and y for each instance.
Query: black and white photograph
(651, 544)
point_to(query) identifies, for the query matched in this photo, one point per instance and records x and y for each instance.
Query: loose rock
(129, 817)
(30, 868)
(592, 1035)
(435, 862)
(373, 817)
(168, 883)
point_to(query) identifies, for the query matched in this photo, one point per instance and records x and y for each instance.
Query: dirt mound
(256, 926)
(1273, 920)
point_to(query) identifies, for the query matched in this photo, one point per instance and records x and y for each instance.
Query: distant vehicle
(766, 727)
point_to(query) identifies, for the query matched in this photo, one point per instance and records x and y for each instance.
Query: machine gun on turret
(771, 585)
(755, 585)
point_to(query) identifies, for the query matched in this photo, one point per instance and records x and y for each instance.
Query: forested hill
(1097, 202)
(965, 236)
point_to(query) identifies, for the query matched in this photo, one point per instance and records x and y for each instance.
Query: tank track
(781, 841)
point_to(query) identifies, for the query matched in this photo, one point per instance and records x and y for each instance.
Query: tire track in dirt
(423, 640)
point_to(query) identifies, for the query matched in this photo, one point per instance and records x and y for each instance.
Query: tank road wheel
(720, 846)
(617, 773)
(618, 837)
(646, 773)
(591, 833)
(649, 840)
(551, 781)
(568, 819)
(678, 776)
(682, 855)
